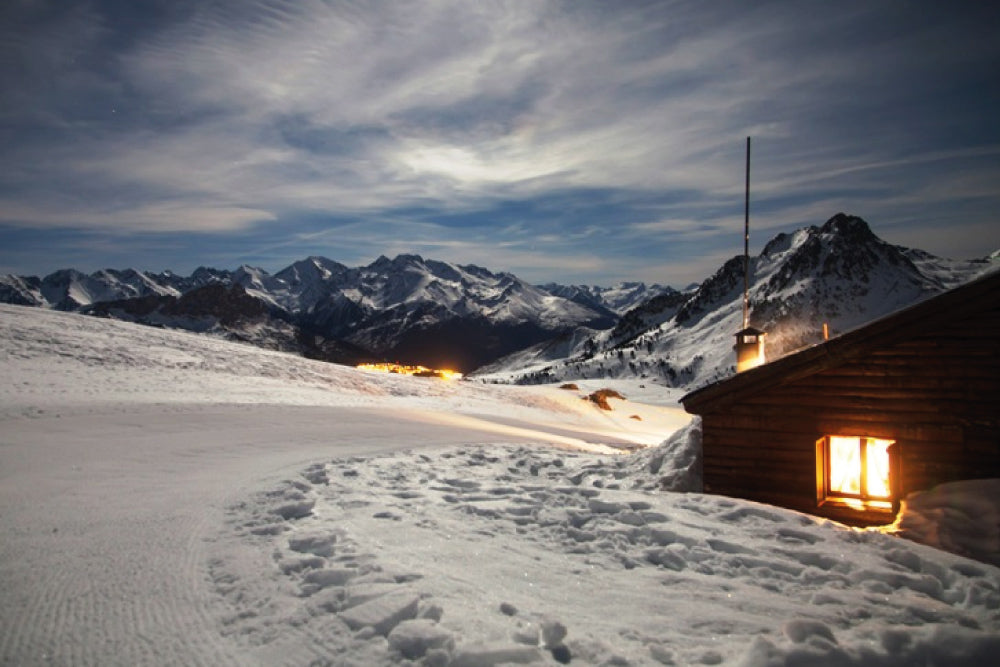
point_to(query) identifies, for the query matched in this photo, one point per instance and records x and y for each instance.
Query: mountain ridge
(418, 310)
(840, 274)
(407, 308)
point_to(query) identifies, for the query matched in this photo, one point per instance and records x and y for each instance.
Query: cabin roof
(926, 316)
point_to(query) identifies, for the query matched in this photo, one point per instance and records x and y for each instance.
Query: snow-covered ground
(173, 499)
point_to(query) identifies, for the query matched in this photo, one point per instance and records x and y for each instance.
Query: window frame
(861, 501)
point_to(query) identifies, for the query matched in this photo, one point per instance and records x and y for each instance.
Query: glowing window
(856, 470)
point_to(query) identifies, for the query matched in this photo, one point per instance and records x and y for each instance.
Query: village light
(417, 371)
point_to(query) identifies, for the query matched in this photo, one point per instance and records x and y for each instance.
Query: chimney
(749, 349)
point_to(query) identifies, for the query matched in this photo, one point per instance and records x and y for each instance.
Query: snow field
(80, 365)
(168, 498)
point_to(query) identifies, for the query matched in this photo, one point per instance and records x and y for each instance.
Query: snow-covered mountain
(435, 313)
(70, 289)
(407, 308)
(619, 298)
(840, 274)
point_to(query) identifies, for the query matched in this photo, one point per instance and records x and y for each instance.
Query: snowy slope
(840, 274)
(950, 273)
(21, 291)
(176, 499)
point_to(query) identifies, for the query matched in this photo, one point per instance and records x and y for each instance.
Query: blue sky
(577, 142)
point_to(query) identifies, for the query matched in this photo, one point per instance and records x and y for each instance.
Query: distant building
(845, 429)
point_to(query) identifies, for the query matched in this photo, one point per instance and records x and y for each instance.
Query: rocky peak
(721, 287)
(848, 227)
(230, 304)
(844, 247)
(399, 263)
(204, 275)
(311, 270)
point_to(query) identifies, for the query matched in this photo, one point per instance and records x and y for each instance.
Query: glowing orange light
(845, 465)
(860, 467)
(877, 463)
(749, 349)
(419, 371)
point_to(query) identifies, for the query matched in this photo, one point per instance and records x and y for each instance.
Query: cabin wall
(937, 395)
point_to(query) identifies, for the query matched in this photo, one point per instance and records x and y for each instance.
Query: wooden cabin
(846, 428)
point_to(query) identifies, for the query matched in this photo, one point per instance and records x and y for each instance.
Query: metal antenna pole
(746, 245)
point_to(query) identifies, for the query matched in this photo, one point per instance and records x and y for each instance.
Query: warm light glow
(862, 505)
(845, 465)
(859, 467)
(750, 353)
(419, 371)
(877, 460)
(535, 432)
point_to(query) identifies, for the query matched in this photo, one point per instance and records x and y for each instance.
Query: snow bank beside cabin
(674, 465)
(960, 517)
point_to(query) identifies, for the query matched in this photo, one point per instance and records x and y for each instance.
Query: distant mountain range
(840, 274)
(405, 309)
(415, 310)
(620, 299)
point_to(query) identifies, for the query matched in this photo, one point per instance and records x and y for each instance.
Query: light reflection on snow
(498, 428)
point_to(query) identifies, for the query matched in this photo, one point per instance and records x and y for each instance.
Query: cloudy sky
(568, 141)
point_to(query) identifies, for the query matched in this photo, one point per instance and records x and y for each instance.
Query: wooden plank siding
(932, 384)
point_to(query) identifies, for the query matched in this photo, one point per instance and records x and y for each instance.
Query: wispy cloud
(450, 125)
